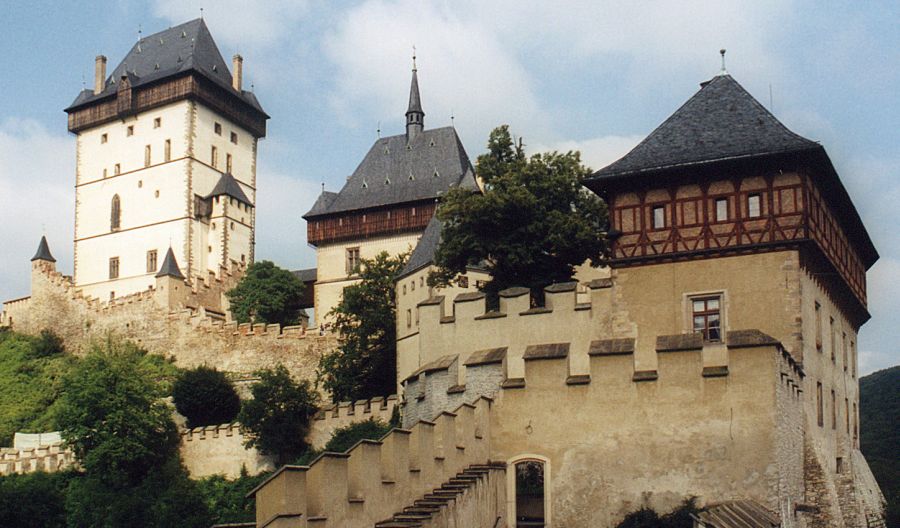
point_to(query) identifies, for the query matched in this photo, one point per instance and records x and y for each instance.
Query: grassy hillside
(31, 369)
(879, 415)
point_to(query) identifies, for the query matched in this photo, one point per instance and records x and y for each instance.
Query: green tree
(365, 362)
(267, 294)
(112, 417)
(34, 500)
(534, 222)
(205, 396)
(276, 420)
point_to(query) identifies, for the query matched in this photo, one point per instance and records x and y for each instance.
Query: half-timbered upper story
(722, 176)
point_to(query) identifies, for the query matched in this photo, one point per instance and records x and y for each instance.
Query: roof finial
(722, 53)
(140, 38)
(414, 57)
(378, 130)
(452, 119)
(323, 187)
(201, 13)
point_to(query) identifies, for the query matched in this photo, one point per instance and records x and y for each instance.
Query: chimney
(99, 73)
(237, 63)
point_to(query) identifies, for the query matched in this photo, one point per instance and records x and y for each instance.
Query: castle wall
(219, 450)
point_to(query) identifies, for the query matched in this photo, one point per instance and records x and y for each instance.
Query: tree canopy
(267, 294)
(365, 362)
(205, 396)
(534, 222)
(277, 419)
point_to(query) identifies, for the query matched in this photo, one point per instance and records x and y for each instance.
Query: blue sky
(591, 75)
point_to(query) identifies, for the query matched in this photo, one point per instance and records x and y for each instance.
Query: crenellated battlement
(338, 415)
(375, 479)
(48, 458)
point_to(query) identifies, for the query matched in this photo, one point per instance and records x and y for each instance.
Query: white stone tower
(166, 158)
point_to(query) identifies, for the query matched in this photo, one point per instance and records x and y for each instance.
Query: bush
(48, 344)
(267, 294)
(346, 437)
(276, 420)
(227, 499)
(34, 500)
(205, 396)
(677, 518)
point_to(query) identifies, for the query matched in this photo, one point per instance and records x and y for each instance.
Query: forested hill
(879, 409)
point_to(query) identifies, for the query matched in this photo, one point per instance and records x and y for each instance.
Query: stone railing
(375, 479)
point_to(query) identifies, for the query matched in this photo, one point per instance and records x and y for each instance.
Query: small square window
(104, 138)
(234, 137)
(157, 122)
(463, 281)
(129, 131)
(218, 129)
(721, 209)
(659, 217)
(753, 206)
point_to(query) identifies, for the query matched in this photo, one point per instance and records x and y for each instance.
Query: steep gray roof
(228, 186)
(423, 254)
(721, 121)
(323, 202)
(415, 100)
(395, 172)
(43, 251)
(179, 49)
(306, 275)
(170, 267)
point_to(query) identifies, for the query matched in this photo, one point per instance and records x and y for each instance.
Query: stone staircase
(440, 501)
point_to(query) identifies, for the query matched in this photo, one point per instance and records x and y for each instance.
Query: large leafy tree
(205, 396)
(534, 222)
(267, 294)
(276, 420)
(365, 362)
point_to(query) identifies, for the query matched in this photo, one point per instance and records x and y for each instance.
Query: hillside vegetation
(879, 410)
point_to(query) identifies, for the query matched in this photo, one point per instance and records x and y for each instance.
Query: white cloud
(596, 153)
(37, 172)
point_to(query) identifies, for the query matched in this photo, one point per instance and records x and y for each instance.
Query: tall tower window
(833, 340)
(352, 265)
(833, 410)
(115, 213)
(753, 206)
(819, 411)
(147, 156)
(117, 169)
(167, 152)
(228, 163)
(114, 267)
(844, 349)
(818, 326)
(214, 157)
(151, 261)
(721, 209)
(659, 217)
(707, 318)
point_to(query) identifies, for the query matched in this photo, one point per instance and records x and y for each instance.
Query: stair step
(397, 524)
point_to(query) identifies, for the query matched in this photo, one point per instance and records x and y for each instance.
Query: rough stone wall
(48, 458)
(787, 482)
(189, 334)
(429, 393)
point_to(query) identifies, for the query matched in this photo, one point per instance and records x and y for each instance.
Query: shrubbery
(205, 396)
(34, 500)
(677, 518)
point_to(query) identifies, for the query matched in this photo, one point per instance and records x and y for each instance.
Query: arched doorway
(528, 497)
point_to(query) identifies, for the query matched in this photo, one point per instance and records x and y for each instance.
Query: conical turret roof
(43, 251)
(170, 267)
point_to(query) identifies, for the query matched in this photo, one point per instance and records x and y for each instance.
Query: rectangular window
(218, 129)
(855, 424)
(228, 163)
(117, 169)
(103, 138)
(818, 326)
(839, 465)
(820, 414)
(147, 156)
(833, 410)
(234, 137)
(753, 206)
(844, 349)
(832, 331)
(114, 267)
(847, 414)
(168, 150)
(129, 131)
(852, 359)
(104, 173)
(214, 157)
(721, 209)
(157, 122)
(408, 318)
(352, 260)
(707, 318)
(659, 217)
(151, 261)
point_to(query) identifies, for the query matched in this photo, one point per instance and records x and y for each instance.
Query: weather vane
(414, 57)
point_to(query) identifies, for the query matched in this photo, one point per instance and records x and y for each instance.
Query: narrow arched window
(115, 216)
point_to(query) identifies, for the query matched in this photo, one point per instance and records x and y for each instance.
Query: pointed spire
(43, 251)
(170, 267)
(415, 117)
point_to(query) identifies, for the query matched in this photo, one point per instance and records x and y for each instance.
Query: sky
(593, 76)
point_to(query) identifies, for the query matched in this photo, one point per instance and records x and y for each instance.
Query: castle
(714, 357)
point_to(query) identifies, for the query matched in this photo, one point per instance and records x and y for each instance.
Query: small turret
(170, 267)
(43, 252)
(170, 286)
(415, 117)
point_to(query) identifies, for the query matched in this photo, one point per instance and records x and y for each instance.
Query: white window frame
(511, 486)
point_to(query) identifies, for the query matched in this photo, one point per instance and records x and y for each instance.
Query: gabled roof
(396, 171)
(423, 254)
(721, 121)
(228, 186)
(183, 48)
(170, 267)
(43, 251)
